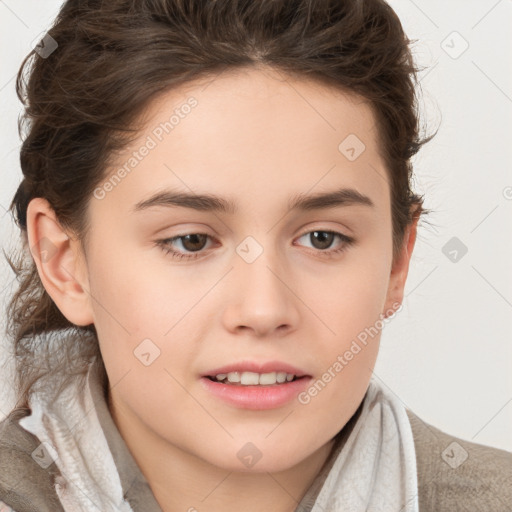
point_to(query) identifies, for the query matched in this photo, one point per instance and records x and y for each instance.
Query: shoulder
(459, 475)
(25, 484)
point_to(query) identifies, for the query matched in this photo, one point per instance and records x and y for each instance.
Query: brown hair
(83, 100)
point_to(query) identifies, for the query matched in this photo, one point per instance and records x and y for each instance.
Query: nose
(261, 297)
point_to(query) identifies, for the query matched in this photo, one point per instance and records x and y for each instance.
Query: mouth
(251, 385)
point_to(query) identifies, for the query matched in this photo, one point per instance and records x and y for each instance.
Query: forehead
(261, 101)
(255, 130)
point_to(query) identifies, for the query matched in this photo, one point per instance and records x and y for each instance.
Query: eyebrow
(209, 202)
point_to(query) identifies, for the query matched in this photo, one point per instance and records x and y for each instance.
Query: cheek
(350, 306)
(350, 302)
(131, 292)
(351, 295)
(142, 308)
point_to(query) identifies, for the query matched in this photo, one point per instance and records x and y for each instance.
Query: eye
(193, 242)
(323, 239)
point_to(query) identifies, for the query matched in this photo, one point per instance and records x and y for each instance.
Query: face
(262, 280)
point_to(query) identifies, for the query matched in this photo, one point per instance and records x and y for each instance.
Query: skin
(256, 137)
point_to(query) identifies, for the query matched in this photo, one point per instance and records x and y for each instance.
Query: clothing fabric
(385, 458)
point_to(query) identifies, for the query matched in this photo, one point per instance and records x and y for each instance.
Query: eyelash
(165, 245)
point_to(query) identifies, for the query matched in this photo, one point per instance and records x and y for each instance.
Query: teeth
(233, 377)
(268, 378)
(252, 378)
(248, 378)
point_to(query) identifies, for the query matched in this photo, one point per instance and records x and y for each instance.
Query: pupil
(194, 237)
(323, 235)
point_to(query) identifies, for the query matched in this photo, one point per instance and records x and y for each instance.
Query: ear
(400, 269)
(59, 261)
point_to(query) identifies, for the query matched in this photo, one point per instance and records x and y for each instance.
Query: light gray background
(448, 354)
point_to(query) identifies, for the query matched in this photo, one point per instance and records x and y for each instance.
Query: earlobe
(58, 261)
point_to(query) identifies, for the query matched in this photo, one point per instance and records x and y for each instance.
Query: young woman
(217, 203)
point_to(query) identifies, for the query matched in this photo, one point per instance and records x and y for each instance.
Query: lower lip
(256, 397)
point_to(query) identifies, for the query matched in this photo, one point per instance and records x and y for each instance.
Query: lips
(222, 383)
(255, 397)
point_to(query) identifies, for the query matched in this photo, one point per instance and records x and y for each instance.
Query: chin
(248, 458)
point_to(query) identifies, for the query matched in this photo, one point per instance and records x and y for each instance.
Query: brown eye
(322, 241)
(193, 242)
(191, 245)
(323, 238)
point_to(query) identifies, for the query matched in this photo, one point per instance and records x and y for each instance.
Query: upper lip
(253, 366)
